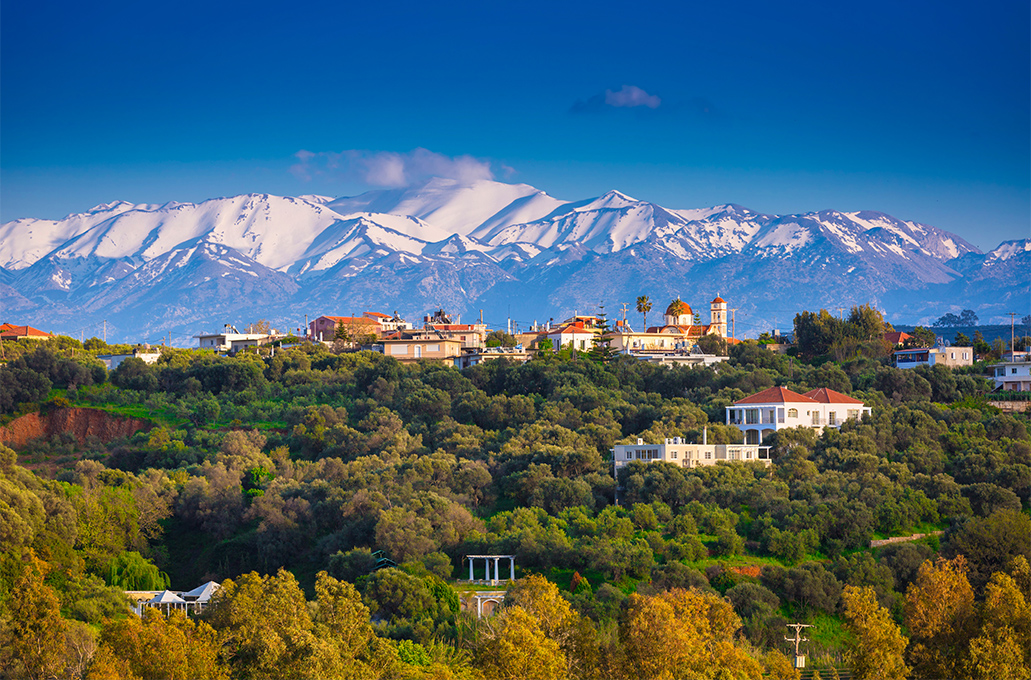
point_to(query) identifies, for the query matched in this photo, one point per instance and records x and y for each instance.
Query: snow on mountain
(606, 224)
(365, 235)
(458, 208)
(26, 240)
(1008, 250)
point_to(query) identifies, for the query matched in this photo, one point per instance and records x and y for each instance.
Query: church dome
(678, 308)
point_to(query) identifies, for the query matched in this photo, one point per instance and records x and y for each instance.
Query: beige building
(407, 350)
(681, 453)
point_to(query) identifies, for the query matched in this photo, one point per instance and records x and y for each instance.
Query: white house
(778, 408)
(578, 333)
(1012, 376)
(232, 342)
(112, 361)
(679, 452)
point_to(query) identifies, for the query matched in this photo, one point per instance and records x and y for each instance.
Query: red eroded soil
(753, 570)
(81, 422)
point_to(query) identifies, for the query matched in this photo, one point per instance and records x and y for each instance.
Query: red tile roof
(825, 395)
(896, 337)
(378, 315)
(12, 331)
(719, 300)
(776, 395)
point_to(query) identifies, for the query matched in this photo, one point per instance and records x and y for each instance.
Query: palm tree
(644, 305)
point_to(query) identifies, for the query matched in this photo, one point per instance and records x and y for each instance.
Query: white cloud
(389, 168)
(630, 96)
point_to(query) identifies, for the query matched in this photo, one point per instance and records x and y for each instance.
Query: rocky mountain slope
(508, 249)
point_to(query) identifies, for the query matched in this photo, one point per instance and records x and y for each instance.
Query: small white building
(933, 356)
(679, 452)
(112, 361)
(778, 408)
(1012, 376)
(578, 334)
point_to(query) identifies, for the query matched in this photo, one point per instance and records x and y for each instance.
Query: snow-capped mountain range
(509, 249)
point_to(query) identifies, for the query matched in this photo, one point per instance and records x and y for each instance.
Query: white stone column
(496, 559)
(470, 569)
(511, 568)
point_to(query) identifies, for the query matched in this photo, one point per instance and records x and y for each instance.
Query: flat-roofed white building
(1012, 376)
(679, 452)
(933, 356)
(778, 408)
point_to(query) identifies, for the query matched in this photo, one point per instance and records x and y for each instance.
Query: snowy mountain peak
(113, 206)
(610, 200)
(1010, 249)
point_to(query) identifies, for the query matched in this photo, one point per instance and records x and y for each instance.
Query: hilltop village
(590, 498)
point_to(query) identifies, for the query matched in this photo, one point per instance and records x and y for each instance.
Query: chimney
(705, 435)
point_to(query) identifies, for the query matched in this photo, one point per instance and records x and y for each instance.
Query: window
(780, 415)
(966, 355)
(432, 348)
(673, 454)
(1013, 371)
(708, 455)
(751, 416)
(399, 349)
(816, 417)
(832, 418)
(792, 413)
(853, 413)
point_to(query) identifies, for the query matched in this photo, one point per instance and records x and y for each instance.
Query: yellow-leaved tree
(155, 647)
(513, 646)
(940, 617)
(877, 646)
(683, 634)
(33, 636)
(1003, 649)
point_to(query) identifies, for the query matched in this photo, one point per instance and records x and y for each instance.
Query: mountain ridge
(481, 245)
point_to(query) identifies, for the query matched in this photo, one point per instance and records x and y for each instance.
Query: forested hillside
(295, 474)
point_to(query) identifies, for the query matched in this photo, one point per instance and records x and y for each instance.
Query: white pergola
(486, 566)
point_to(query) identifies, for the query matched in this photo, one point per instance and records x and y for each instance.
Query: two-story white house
(778, 408)
(1012, 376)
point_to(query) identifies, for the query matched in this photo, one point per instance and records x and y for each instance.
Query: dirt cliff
(81, 422)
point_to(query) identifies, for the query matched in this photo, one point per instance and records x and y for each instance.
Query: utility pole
(625, 306)
(105, 331)
(799, 658)
(1013, 357)
(733, 316)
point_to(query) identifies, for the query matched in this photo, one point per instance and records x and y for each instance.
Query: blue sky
(917, 109)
